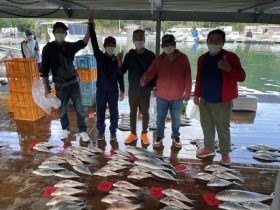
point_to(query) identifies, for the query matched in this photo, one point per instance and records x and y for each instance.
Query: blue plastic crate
(88, 88)
(88, 100)
(85, 62)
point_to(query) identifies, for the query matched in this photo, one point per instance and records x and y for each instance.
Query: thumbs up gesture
(224, 65)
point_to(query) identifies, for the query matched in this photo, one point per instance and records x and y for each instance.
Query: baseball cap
(168, 39)
(59, 25)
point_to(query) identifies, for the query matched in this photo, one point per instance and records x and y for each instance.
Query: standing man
(136, 62)
(30, 47)
(58, 57)
(218, 72)
(108, 77)
(173, 72)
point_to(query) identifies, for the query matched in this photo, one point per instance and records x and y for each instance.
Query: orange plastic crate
(18, 98)
(87, 75)
(10, 105)
(21, 67)
(21, 84)
(30, 113)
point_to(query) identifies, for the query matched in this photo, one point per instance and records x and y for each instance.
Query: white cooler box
(245, 103)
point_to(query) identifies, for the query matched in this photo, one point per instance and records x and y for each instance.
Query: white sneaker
(84, 136)
(64, 135)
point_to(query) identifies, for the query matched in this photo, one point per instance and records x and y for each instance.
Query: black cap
(110, 39)
(29, 32)
(59, 25)
(168, 39)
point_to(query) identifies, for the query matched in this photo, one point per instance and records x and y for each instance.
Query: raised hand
(91, 17)
(120, 57)
(223, 64)
(121, 96)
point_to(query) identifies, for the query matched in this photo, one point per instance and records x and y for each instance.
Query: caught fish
(82, 169)
(69, 206)
(67, 191)
(231, 206)
(152, 165)
(256, 206)
(84, 158)
(170, 208)
(119, 162)
(67, 174)
(74, 161)
(118, 156)
(69, 183)
(268, 148)
(138, 175)
(123, 153)
(140, 169)
(93, 149)
(41, 148)
(54, 161)
(124, 206)
(215, 167)
(265, 157)
(43, 172)
(177, 195)
(219, 183)
(126, 185)
(52, 166)
(240, 196)
(114, 167)
(47, 144)
(105, 173)
(273, 154)
(204, 177)
(123, 192)
(226, 176)
(141, 156)
(163, 175)
(59, 199)
(115, 198)
(2, 144)
(174, 202)
(79, 151)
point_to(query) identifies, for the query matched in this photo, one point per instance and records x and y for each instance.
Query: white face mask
(60, 37)
(110, 50)
(214, 48)
(169, 49)
(139, 44)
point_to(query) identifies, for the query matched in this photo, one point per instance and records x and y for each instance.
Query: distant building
(262, 29)
(129, 28)
(9, 32)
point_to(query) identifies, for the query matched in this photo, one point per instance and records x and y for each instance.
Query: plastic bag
(195, 114)
(54, 101)
(38, 94)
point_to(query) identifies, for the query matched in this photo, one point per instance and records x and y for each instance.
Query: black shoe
(157, 142)
(100, 136)
(113, 136)
(176, 141)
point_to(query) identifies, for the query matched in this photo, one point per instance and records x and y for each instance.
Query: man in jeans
(58, 57)
(218, 72)
(136, 62)
(173, 72)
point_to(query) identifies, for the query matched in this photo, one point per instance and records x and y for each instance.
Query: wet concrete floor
(21, 189)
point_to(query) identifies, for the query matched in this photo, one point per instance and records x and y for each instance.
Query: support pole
(158, 30)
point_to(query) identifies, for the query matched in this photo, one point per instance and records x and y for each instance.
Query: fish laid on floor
(69, 183)
(215, 167)
(151, 165)
(114, 167)
(74, 161)
(124, 206)
(47, 144)
(41, 148)
(118, 156)
(265, 157)
(82, 169)
(140, 169)
(163, 175)
(204, 177)
(174, 202)
(170, 208)
(149, 158)
(94, 149)
(273, 154)
(67, 191)
(84, 158)
(105, 173)
(123, 153)
(59, 199)
(226, 176)
(138, 175)
(119, 162)
(115, 198)
(52, 166)
(67, 174)
(240, 196)
(81, 151)
(44, 172)
(70, 207)
(256, 206)
(126, 185)
(220, 183)
(177, 195)
(123, 192)
(231, 206)
(54, 161)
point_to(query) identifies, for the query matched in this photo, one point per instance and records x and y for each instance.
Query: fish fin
(236, 183)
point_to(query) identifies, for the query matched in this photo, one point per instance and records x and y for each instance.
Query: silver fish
(44, 172)
(126, 185)
(152, 165)
(273, 154)
(163, 175)
(80, 151)
(58, 199)
(82, 169)
(67, 174)
(69, 183)
(215, 167)
(140, 169)
(41, 148)
(52, 166)
(138, 175)
(204, 176)
(54, 161)
(265, 157)
(149, 158)
(123, 192)
(93, 149)
(123, 153)
(67, 191)
(84, 158)
(170, 208)
(240, 196)
(2, 144)
(119, 162)
(74, 161)
(256, 206)
(114, 167)
(118, 156)
(231, 206)
(124, 206)
(114, 198)
(73, 206)
(177, 195)
(174, 202)
(268, 148)
(105, 173)
(47, 144)
(219, 183)
(226, 176)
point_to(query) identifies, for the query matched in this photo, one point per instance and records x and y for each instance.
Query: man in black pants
(108, 77)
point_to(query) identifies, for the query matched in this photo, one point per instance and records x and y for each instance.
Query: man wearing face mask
(218, 72)
(136, 62)
(57, 57)
(30, 47)
(108, 77)
(173, 72)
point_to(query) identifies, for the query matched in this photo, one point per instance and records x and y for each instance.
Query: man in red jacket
(173, 85)
(218, 72)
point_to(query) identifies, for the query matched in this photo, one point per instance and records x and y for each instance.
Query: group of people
(167, 75)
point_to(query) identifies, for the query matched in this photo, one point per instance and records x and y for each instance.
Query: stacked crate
(20, 74)
(86, 67)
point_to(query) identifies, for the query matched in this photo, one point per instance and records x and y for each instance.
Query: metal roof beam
(66, 4)
(263, 7)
